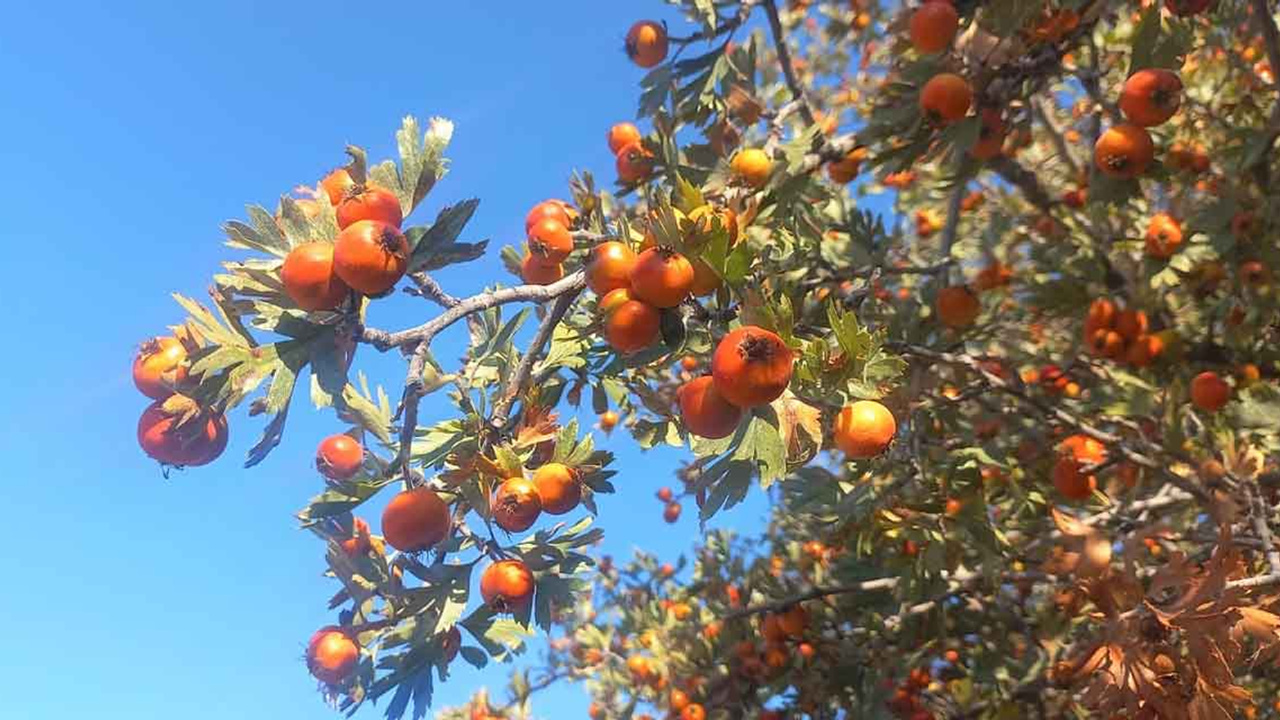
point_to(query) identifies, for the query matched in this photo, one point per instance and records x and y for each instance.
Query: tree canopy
(1020, 434)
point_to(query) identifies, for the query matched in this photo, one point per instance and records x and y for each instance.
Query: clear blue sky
(131, 131)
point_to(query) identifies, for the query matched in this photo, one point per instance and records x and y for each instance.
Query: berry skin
(1124, 151)
(946, 98)
(864, 429)
(933, 26)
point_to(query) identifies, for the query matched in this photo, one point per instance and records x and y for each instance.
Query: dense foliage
(1020, 434)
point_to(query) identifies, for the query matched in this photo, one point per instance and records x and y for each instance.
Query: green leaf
(338, 500)
(437, 246)
(762, 444)
(655, 88)
(474, 657)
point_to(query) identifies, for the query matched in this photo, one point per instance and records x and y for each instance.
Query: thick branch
(425, 332)
(952, 226)
(1024, 180)
(784, 59)
(420, 338)
(1271, 38)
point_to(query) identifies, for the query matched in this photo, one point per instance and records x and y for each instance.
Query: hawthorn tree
(1020, 434)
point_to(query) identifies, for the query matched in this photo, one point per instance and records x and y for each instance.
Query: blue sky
(132, 130)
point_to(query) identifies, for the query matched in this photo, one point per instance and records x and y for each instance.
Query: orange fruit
(647, 43)
(1164, 235)
(933, 26)
(991, 136)
(1209, 392)
(945, 98)
(864, 429)
(1124, 151)
(752, 166)
(957, 306)
(622, 135)
(1151, 96)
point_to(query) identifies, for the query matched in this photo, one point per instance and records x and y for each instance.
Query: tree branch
(1260, 513)
(1059, 142)
(952, 226)
(420, 338)
(427, 287)
(1110, 439)
(424, 333)
(784, 59)
(521, 375)
(876, 585)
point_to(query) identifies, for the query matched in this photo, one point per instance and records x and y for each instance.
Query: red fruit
(662, 277)
(631, 326)
(751, 366)
(1070, 481)
(671, 512)
(547, 209)
(1151, 96)
(634, 163)
(533, 272)
(991, 136)
(517, 505)
(370, 202)
(336, 184)
(704, 412)
(1187, 8)
(958, 306)
(1209, 392)
(158, 367)
(198, 442)
(370, 256)
(339, 457)
(507, 586)
(451, 643)
(1124, 151)
(609, 267)
(332, 655)
(946, 98)
(933, 25)
(416, 520)
(622, 135)
(1164, 235)
(647, 43)
(309, 279)
(550, 241)
(665, 494)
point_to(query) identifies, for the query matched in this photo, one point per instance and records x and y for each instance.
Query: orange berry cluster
(1120, 335)
(547, 228)
(1150, 97)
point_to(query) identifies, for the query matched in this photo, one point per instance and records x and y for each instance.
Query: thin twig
(784, 59)
(1059, 142)
(1271, 39)
(419, 339)
(1064, 416)
(876, 585)
(518, 379)
(425, 286)
(1260, 513)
